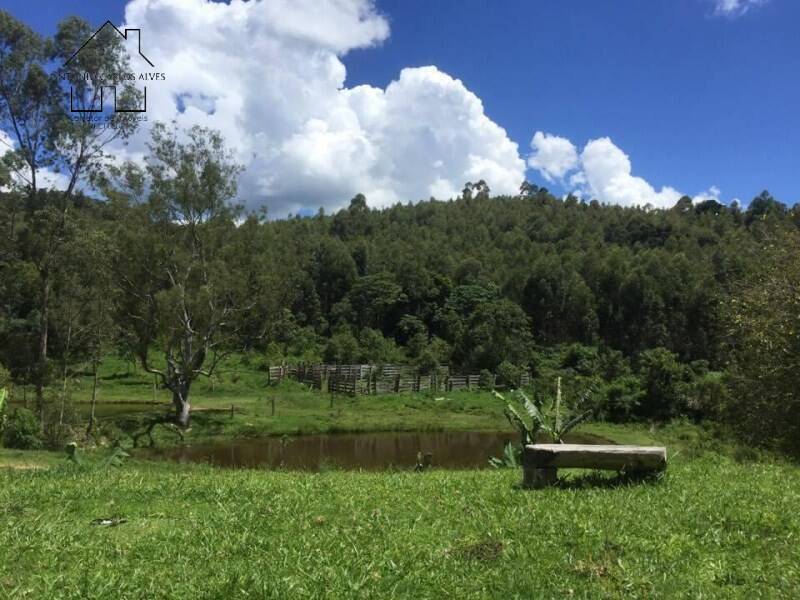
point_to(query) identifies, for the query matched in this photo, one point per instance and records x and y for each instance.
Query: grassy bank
(127, 397)
(712, 527)
(127, 401)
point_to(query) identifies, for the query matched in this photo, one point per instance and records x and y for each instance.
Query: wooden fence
(377, 379)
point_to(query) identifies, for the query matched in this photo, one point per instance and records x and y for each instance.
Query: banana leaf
(572, 423)
(532, 410)
(517, 422)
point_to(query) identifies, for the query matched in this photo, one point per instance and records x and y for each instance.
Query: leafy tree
(342, 348)
(35, 110)
(371, 297)
(663, 378)
(764, 327)
(183, 294)
(333, 272)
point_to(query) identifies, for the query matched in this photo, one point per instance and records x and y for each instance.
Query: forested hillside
(484, 279)
(648, 306)
(472, 282)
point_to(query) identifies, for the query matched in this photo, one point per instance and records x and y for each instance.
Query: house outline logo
(104, 86)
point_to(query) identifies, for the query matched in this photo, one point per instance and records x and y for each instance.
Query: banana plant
(509, 460)
(528, 432)
(560, 428)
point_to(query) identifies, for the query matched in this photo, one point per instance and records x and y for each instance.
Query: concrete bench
(540, 462)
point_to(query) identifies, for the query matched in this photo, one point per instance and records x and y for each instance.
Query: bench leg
(535, 479)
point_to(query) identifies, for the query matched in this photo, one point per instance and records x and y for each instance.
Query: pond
(368, 451)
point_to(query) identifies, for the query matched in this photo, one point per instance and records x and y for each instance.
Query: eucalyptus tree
(182, 293)
(47, 111)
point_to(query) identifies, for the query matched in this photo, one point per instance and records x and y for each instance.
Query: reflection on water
(369, 451)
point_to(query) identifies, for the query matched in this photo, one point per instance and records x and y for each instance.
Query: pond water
(368, 451)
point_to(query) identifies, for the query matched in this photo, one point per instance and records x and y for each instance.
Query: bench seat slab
(586, 456)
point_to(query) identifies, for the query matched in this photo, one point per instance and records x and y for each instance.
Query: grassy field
(712, 527)
(125, 389)
(722, 522)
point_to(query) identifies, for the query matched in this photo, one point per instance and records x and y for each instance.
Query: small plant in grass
(509, 460)
(22, 431)
(556, 428)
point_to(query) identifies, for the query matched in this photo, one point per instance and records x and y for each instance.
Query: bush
(612, 364)
(708, 395)
(508, 375)
(375, 348)
(621, 400)
(342, 348)
(22, 430)
(664, 380)
(763, 406)
(581, 359)
(486, 379)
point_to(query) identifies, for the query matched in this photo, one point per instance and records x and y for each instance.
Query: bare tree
(182, 295)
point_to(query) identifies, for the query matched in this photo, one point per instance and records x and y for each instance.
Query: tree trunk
(180, 399)
(94, 399)
(64, 377)
(42, 358)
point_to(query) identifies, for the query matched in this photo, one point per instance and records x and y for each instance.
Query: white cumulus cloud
(269, 75)
(601, 171)
(608, 174)
(552, 156)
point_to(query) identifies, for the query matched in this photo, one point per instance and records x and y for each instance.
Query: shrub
(581, 359)
(342, 348)
(663, 379)
(708, 395)
(612, 364)
(22, 430)
(508, 375)
(375, 348)
(486, 379)
(621, 399)
(764, 322)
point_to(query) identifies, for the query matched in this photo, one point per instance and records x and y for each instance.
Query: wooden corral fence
(378, 379)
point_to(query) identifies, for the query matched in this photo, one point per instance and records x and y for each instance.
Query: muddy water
(368, 451)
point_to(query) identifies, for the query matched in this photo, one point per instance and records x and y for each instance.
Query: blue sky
(693, 97)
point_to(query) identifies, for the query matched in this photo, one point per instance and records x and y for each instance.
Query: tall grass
(711, 528)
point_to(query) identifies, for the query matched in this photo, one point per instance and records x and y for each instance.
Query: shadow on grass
(598, 479)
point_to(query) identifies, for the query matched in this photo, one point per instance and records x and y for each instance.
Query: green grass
(298, 410)
(712, 527)
(29, 459)
(242, 384)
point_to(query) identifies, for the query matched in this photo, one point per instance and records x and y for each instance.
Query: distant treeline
(479, 283)
(471, 282)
